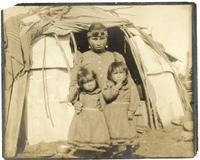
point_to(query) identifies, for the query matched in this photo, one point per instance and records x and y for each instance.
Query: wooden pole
(15, 116)
(138, 61)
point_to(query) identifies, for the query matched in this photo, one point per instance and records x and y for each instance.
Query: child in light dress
(88, 129)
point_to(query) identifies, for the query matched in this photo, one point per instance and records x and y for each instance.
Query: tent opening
(116, 43)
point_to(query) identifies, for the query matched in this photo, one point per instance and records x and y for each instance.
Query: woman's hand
(78, 107)
(130, 115)
(101, 108)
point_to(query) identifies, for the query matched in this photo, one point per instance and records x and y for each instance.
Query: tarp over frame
(20, 32)
(56, 21)
(48, 113)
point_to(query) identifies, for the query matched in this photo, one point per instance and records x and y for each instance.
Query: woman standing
(97, 59)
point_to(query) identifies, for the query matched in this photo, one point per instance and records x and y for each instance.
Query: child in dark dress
(122, 100)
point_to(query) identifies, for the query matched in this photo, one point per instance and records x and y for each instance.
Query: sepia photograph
(100, 81)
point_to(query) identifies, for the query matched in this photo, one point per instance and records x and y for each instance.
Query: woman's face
(118, 76)
(98, 44)
(90, 86)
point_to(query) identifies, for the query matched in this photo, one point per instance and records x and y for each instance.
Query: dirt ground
(160, 143)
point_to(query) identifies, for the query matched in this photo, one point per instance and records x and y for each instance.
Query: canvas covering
(149, 56)
(49, 115)
(160, 75)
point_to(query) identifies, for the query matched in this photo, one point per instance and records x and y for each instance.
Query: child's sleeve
(73, 87)
(110, 92)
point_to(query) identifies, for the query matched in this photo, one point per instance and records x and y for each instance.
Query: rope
(45, 89)
(43, 63)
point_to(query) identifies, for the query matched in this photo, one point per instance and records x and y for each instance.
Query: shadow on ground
(160, 143)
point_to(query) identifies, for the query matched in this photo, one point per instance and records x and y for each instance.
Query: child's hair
(117, 66)
(84, 75)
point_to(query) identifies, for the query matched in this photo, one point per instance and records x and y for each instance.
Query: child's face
(90, 86)
(118, 76)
